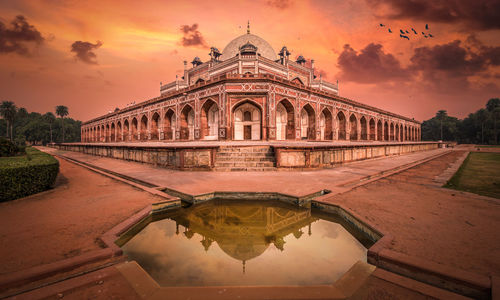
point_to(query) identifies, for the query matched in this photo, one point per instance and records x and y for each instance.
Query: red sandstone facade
(247, 92)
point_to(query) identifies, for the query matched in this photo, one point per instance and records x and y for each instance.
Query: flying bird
(382, 25)
(407, 31)
(390, 31)
(401, 30)
(413, 31)
(426, 26)
(425, 36)
(430, 35)
(404, 36)
(423, 33)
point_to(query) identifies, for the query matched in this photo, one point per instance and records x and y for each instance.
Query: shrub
(20, 176)
(8, 148)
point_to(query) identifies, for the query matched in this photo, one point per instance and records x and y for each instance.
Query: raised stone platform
(247, 156)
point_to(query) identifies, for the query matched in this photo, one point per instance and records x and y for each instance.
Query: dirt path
(446, 226)
(65, 221)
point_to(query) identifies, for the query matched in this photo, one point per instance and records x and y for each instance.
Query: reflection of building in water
(243, 230)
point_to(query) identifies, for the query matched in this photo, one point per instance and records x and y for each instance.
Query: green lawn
(487, 146)
(479, 174)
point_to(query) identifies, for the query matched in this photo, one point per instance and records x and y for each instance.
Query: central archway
(210, 120)
(247, 122)
(285, 121)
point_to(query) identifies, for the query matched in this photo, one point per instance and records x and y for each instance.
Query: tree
(62, 111)
(50, 119)
(8, 111)
(493, 106)
(441, 115)
(482, 116)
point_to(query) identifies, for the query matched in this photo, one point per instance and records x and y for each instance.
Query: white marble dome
(263, 47)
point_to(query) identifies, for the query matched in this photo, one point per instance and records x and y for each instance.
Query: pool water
(230, 242)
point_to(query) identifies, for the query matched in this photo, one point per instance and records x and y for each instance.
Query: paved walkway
(294, 183)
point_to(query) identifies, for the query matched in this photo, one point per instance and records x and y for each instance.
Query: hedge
(32, 173)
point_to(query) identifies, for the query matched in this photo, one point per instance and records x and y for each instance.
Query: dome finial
(248, 27)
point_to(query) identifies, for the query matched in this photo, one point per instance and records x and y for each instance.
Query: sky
(93, 56)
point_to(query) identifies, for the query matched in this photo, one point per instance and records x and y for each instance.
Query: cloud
(84, 51)
(13, 38)
(475, 15)
(450, 65)
(442, 67)
(279, 4)
(192, 37)
(370, 65)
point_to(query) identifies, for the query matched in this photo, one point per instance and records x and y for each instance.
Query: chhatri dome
(263, 47)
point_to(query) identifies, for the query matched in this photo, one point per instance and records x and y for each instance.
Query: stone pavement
(294, 183)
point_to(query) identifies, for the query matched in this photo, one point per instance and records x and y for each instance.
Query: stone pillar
(358, 129)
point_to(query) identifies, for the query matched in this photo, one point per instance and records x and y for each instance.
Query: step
(254, 169)
(245, 149)
(255, 155)
(244, 164)
(244, 158)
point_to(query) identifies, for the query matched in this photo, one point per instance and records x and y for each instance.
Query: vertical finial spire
(248, 27)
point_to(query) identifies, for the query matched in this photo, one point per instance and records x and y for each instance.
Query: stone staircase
(249, 158)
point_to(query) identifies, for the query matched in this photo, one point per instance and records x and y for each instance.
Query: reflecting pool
(230, 242)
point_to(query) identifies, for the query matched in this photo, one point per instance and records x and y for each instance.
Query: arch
(285, 120)
(134, 131)
(386, 131)
(119, 136)
(154, 128)
(169, 125)
(364, 128)
(391, 134)
(113, 132)
(297, 80)
(396, 132)
(210, 120)
(307, 123)
(372, 129)
(107, 133)
(325, 124)
(401, 133)
(199, 80)
(341, 120)
(353, 125)
(247, 118)
(126, 130)
(187, 123)
(143, 129)
(103, 133)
